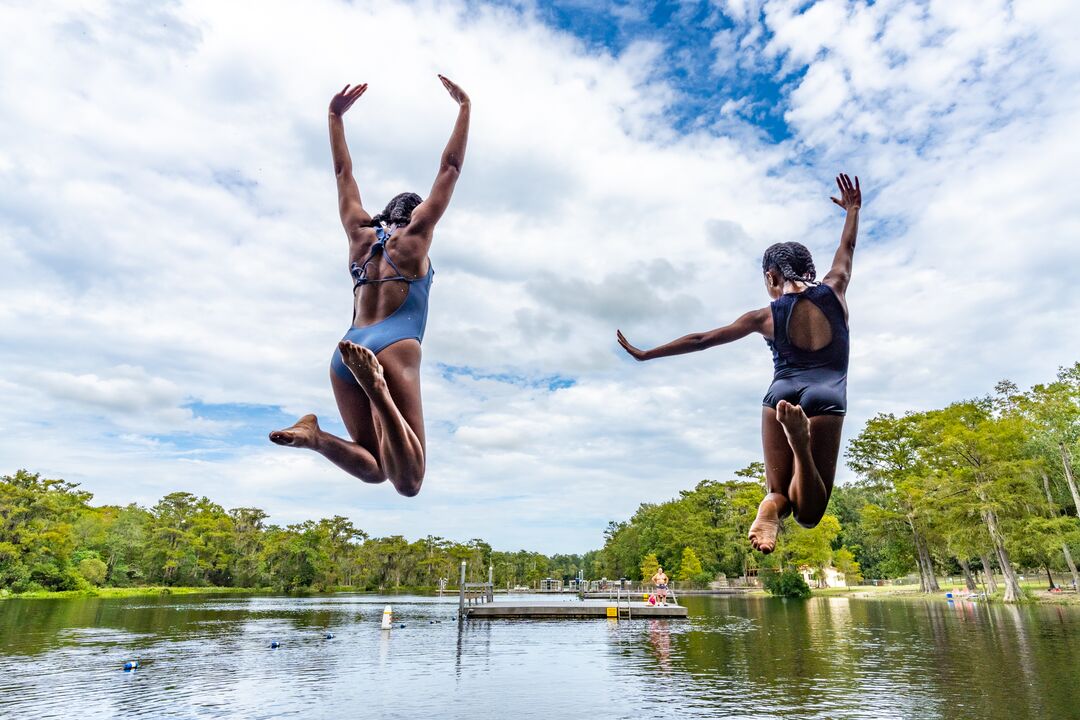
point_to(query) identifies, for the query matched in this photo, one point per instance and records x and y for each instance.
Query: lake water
(206, 656)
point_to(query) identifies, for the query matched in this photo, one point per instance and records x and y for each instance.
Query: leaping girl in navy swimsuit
(806, 327)
(375, 371)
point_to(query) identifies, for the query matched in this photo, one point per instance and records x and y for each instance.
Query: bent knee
(409, 486)
(808, 520)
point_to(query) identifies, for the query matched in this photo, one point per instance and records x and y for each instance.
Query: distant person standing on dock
(660, 580)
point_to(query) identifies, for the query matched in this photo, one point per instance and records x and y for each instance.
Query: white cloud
(168, 229)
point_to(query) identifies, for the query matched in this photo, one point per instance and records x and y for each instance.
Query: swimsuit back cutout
(788, 359)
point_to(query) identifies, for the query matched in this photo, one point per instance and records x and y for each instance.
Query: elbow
(451, 166)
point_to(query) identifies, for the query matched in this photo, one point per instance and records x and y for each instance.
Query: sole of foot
(766, 525)
(302, 434)
(362, 363)
(796, 424)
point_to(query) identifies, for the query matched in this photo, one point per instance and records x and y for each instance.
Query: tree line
(52, 538)
(981, 485)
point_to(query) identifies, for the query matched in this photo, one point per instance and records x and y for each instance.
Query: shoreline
(1035, 595)
(165, 591)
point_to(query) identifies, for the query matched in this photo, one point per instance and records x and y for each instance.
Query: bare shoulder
(361, 238)
(759, 320)
(361, 234)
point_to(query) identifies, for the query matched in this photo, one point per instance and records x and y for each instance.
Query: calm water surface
(204, 657)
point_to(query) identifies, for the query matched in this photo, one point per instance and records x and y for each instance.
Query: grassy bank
(159, 590)
(125, 592)
(1036, 592)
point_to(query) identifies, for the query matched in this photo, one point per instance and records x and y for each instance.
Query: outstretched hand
(850, 195)
(635, 353)
(345, 99)
(459, 95)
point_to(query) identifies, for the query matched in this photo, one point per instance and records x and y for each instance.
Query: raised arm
(753, 321)
(428, 212)
(851, 200)
(353, 215)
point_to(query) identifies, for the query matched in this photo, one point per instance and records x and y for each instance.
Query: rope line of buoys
(387, 624)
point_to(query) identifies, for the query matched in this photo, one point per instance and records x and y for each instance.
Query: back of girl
(803, 410)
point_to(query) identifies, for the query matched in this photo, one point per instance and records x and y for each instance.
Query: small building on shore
(828, 577)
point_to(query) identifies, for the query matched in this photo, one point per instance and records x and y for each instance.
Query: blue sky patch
(550, 382)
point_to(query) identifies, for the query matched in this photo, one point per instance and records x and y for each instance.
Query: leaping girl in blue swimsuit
(375, 371)
(806, 327)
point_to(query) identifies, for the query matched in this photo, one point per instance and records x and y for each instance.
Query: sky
(173, 275)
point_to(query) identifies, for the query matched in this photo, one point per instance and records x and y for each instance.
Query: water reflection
(735, 657)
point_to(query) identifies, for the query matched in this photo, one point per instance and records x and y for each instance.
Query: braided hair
(398, 211)
(792, 260)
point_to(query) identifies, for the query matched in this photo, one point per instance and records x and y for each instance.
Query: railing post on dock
(491, 584)
(461, 594)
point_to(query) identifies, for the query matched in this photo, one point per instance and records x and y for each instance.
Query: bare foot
(362, 363)
(796, 424)
(304, 434)
(766, 525)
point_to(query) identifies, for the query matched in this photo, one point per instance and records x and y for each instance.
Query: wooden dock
(572, 610)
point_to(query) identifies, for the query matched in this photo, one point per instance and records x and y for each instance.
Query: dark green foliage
(711, 521)
(52, 539)
(788, 584)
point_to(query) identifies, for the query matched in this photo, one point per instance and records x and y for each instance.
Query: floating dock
(573, 610)
(609, 595)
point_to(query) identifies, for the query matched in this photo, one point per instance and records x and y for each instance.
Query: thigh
(401, 368)
(778, 458)
(825, 445)
(355, 410)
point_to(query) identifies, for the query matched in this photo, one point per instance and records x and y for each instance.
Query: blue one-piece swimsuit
(814, 379)
(405, 323)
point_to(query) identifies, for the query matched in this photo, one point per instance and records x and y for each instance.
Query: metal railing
(473, 593)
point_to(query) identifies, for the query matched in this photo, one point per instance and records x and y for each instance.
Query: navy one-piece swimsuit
(814, 379)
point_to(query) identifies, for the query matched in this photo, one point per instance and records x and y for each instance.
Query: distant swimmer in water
(806, 326)
(375, 370)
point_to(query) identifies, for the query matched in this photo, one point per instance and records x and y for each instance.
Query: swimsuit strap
(359, 272)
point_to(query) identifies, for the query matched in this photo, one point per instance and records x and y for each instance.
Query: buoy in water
(329, 636)
(274, 644)
(387, 618)
(131, 665)
(401, 625)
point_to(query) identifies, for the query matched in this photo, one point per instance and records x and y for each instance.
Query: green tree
(649, 567)
(809, 548)
(889, 456)
(690, 566)
(94, 571)
(37, 533)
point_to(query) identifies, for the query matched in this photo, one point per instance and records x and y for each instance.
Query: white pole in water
(461, 594)
(387, 617)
